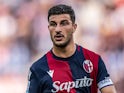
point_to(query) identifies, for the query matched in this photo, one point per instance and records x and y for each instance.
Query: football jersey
(83, 72)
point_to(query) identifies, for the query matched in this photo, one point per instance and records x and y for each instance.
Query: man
(67, 67)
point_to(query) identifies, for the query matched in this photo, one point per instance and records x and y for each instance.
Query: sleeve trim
(106, 82)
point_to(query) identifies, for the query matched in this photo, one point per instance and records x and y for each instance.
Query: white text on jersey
(83, 82)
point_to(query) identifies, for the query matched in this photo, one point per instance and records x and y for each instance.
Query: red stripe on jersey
(94, 58)
(62, 72)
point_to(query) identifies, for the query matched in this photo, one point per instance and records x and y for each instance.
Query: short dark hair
(62, 9)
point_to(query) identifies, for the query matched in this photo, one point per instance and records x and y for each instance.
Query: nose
(58, 28)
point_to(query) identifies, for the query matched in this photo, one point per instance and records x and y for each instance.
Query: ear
(74, 27)
(48, 26)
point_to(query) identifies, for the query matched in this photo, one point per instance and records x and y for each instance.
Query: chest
(68, 75)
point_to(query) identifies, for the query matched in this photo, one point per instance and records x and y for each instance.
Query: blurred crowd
(24, 36)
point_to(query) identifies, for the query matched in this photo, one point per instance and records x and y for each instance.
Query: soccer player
(68, 67)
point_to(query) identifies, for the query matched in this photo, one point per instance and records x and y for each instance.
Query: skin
(108, 89)
(61, 31)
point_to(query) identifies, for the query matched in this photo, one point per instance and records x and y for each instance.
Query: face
(61, 29)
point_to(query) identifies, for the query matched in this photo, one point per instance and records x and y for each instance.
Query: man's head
(62, 25)
(62, 9)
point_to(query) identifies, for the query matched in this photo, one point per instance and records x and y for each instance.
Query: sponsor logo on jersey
(88, 66)
(67, 86)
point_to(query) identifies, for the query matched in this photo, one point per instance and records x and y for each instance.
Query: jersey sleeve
(103, 78)
(32, 83)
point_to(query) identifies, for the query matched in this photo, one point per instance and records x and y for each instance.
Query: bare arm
(108, 89)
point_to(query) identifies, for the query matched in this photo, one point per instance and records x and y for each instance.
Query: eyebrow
(52, 22)
(60, 21)
(64, 20)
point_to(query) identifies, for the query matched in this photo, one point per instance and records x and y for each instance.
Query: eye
(64, 23)
(52, 24)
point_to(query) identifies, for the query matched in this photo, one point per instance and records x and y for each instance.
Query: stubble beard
(61, 45)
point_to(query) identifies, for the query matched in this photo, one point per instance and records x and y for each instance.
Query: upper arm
(32, 83)
(108, 89)
(104, 81)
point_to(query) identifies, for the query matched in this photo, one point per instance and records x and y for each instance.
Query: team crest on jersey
(88, 66)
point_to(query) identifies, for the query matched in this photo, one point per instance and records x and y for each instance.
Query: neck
(64, 52)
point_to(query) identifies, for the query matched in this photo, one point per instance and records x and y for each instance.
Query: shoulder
(40, 67)
(89, 54)
(91, 57)
(40, 64)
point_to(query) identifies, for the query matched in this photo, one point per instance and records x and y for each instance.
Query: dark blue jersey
(83, 72)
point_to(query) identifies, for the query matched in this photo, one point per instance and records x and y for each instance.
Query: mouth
(58, 37)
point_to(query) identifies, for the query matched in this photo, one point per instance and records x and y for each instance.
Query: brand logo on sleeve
(88, 66)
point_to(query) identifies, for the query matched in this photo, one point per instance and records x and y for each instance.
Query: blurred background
(24, 37)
